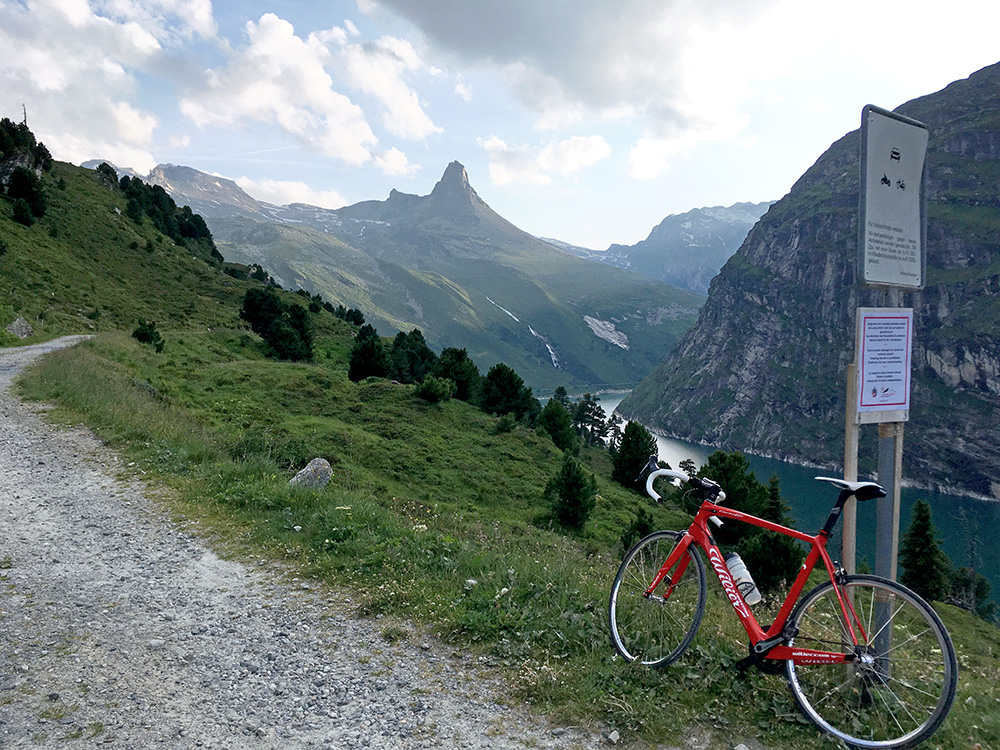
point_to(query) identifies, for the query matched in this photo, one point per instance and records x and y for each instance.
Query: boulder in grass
(315, 476)
(21, 328)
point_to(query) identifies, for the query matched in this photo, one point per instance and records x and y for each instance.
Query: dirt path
(120, 629)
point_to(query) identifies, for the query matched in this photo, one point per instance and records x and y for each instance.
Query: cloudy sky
(582, 120)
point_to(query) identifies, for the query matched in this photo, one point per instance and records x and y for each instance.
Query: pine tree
(572, 494)
(926, 568)
(504, 392)
(589, 417)
(556, 421)
(368, 356)
(630, 456)
(456, 365)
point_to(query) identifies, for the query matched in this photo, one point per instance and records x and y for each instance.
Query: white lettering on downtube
(715, 558)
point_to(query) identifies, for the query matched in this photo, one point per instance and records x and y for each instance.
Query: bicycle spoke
(655, 630)
(902, 680)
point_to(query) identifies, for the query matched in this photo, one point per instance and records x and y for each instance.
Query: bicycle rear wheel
(655, 630)
(903, 683)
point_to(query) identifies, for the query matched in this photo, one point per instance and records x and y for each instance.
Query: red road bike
(867, 660)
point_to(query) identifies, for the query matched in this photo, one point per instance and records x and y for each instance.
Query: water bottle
(744, 581)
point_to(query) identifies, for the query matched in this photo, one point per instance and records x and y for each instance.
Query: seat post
(835, 512)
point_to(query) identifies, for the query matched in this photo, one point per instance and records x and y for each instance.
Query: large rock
(315, 476)
(21, 328)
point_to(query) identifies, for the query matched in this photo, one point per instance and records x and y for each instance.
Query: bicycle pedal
(744, 664)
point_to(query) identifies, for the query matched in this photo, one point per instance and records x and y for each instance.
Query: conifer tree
(556, 421)
(368, 356)
(458, 367)
(572, 494)
(926, 568)
(630, 456)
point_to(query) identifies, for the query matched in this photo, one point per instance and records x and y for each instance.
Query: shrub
(22, 213)
(146, 333)
(640, 527)
(284, 326)
(572, 494)
(107, 174)
(506, 423)
(25, 185)
(435, 390)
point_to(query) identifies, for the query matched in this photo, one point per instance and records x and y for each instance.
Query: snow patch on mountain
(606, 330)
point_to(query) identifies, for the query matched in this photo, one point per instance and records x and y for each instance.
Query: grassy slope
(424, 498)
(451, 296)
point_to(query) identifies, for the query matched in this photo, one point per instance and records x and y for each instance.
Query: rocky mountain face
(764, 368)
(685, 250)
(448, 264)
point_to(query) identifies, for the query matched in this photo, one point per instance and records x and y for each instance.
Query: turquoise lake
(958, 519)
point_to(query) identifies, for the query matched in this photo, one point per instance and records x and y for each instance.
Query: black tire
(903, 685)
(652, 630)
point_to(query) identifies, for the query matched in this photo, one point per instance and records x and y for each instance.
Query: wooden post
(849, 539)
(890, 476)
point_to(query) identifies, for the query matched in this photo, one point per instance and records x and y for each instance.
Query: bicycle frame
(766, 644)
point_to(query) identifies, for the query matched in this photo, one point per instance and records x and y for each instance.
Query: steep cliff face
(764, 368)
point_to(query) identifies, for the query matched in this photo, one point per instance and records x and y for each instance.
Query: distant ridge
(448, 264)
(686, 250)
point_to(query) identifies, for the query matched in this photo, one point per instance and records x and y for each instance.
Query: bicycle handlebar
(707, 485)
(662, 473)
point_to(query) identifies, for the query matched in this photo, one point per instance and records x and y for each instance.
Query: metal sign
(884, 345)
(892, 226)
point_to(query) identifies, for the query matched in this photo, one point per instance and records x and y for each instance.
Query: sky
(586, 121)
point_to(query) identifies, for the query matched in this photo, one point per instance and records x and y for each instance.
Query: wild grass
(434, 517)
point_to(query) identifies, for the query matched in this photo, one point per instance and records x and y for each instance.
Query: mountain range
(448, 264)
(764, 368)
(685, 250)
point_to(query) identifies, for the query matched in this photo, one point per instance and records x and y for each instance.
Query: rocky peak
(453, 191)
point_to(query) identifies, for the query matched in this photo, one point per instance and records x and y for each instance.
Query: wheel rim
(655, 630)
(903, 681)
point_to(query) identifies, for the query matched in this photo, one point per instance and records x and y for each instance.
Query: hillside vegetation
(435, 517)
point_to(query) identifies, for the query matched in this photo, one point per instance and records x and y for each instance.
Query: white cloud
(394, 162)
(281, 78)
(133, 126)
(377, 68)
(282, 193)
(512, 165)
(76, 71)
(295, 82)
(534, 166)
(573, 154)
(164, 19)
(463, 90)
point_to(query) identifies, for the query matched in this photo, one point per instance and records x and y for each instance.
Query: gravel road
(120, 628)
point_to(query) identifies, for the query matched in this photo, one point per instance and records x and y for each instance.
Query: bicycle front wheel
(655, 630)
(902, 683)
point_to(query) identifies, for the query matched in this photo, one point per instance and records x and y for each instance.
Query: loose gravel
(120, 628)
